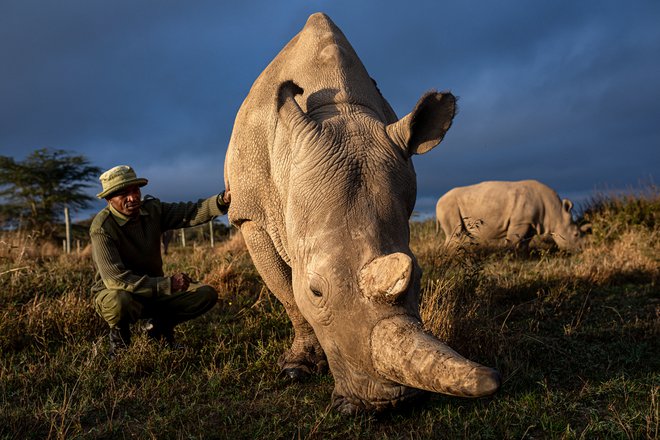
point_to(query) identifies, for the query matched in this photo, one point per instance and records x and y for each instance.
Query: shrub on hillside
(614, 214)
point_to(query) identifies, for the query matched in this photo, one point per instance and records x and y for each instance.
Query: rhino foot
(296, 374)
(298, 366)
(347, 406)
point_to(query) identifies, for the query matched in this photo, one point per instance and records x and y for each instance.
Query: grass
(574, 335)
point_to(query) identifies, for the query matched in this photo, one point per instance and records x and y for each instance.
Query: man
(130, 283)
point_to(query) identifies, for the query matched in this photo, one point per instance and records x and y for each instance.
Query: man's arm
(186, 214)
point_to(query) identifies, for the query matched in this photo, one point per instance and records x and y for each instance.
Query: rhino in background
(508, 213)
(322, 187)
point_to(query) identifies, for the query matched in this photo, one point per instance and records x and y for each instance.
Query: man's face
(127, 201)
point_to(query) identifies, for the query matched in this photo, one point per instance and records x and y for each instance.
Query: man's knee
(209, 294)
(116, 306)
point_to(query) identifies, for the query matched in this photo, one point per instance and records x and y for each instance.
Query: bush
(611, 215)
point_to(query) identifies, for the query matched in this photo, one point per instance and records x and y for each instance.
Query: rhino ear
(422, 129)
(567, 205)
(290, 112)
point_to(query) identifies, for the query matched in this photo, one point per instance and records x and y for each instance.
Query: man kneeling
(130, 283)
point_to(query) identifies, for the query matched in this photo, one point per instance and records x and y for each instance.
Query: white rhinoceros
(509, 213)
(322, 187)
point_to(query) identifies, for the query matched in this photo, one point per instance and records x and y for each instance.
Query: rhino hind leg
(305, 356)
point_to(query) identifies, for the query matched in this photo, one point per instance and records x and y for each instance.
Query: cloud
(562, 91)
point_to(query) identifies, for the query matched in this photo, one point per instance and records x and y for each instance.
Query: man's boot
(161, 331)
(120, 339)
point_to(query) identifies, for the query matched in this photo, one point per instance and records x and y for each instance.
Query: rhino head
(565, 232)
(355, 280)
(323, 186)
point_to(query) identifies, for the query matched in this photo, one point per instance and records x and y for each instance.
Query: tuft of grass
(451, 305)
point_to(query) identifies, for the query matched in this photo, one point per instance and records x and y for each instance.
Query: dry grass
(449, 307)
(634, 252)
(17, 248)
(575, 336)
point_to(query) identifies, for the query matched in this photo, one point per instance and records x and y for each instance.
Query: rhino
(507, 213)
(323, 186)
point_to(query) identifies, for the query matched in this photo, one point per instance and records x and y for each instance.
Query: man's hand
(180, 282)
(226, 197)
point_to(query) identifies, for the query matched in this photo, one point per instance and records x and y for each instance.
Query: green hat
(118, 178)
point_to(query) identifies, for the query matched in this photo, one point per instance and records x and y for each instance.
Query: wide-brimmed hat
(118, 178)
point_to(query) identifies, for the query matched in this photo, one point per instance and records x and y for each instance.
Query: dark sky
(566, 92)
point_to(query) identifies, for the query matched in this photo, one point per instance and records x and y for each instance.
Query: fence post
(67, 227)
(211, 231)
(183, 237)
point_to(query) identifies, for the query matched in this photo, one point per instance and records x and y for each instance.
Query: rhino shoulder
(538, 187)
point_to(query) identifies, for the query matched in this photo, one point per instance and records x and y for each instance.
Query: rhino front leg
(305, 355)
(518, 236)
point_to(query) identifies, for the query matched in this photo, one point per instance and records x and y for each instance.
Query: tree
(34, 191)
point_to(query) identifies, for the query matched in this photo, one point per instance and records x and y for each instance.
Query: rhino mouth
(398, 394)
(356, 390)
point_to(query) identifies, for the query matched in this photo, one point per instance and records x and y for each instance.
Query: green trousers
(122, 307)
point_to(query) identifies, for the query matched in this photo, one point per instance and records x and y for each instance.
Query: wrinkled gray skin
(507, 213)
(322, 187)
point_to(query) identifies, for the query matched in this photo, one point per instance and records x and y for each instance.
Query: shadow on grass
(563, 331)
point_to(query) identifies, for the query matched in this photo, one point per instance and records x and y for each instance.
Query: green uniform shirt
(127, 251)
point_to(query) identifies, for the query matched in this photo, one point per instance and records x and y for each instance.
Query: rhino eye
(317, 293)
(317, 285)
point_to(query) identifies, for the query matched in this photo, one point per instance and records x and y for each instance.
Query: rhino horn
(387, 277)
(586, 228)
(404, 353)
